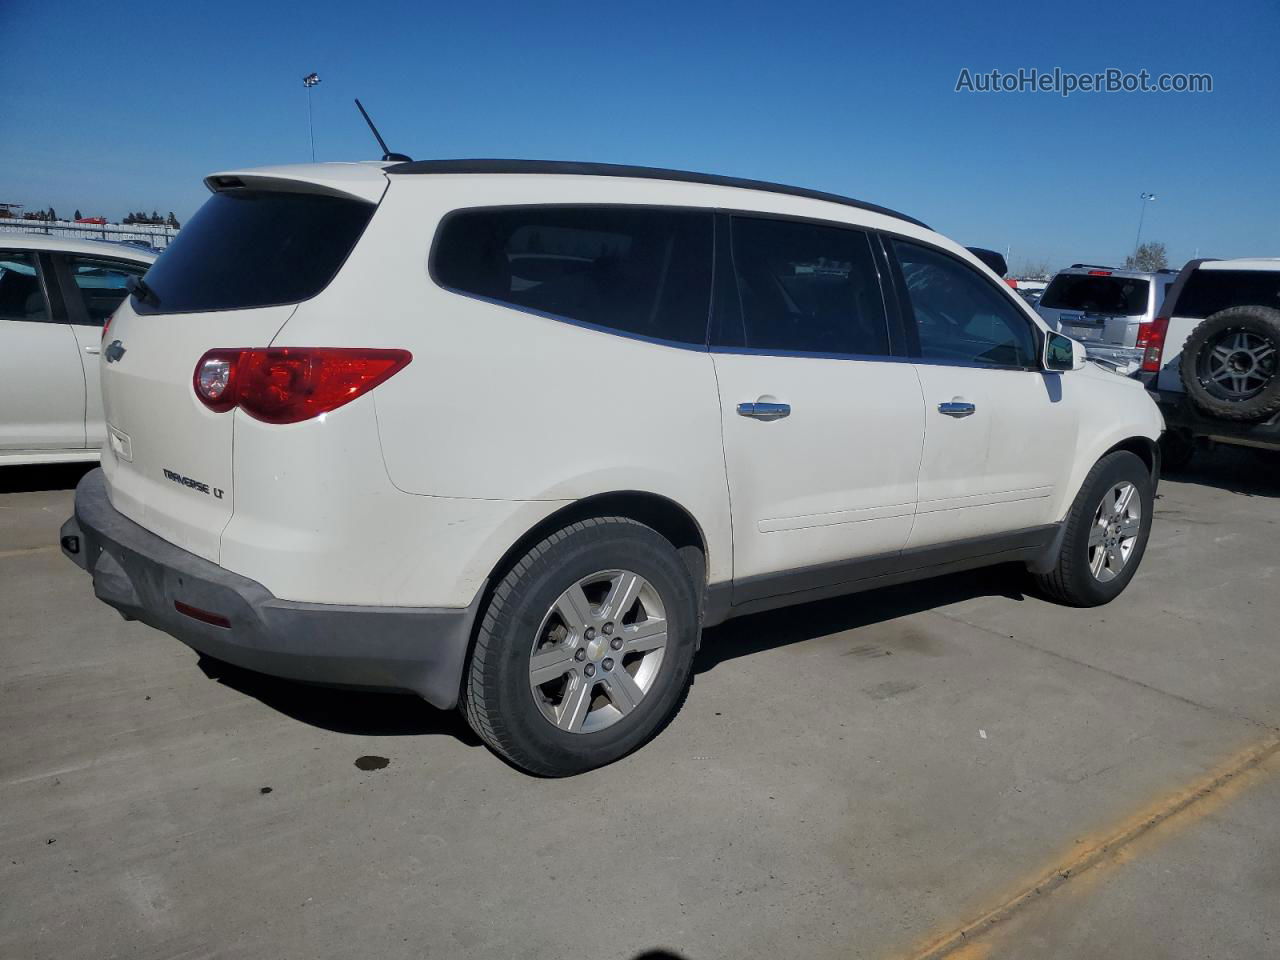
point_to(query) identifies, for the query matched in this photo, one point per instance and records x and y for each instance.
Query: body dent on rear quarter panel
(501, 405)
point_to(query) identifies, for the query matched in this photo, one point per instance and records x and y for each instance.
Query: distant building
(10, 211)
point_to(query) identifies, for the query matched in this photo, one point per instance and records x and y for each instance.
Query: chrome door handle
(957, 408)
(93, 350)
(764, 411)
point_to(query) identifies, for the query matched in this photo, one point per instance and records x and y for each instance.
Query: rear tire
(1231, 364)
(1106, 534)
(585, 651)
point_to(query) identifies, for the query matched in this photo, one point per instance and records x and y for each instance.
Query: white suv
(510, 434)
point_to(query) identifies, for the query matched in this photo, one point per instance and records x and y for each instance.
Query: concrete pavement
(853, 778)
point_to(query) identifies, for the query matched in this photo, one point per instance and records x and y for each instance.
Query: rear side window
(1119, 296)
(21, 297)
(1208, 291)
(637, 270)
(808, 288)
(251, 248)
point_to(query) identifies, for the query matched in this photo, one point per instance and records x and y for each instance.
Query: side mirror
(1062, 353)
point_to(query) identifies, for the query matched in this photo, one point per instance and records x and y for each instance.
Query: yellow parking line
(1187, 805)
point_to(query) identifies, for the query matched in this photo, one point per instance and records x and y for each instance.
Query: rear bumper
(1182, 416)
(420, 650)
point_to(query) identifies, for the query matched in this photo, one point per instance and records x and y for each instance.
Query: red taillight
(1099, 273)
(107, 326)
(291, 384)
(1151, 339)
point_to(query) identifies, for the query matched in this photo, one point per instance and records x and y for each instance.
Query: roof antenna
(386, 154)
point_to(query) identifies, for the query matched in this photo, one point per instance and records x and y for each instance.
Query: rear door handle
(957, 408)
(764, 411)
(93, 350)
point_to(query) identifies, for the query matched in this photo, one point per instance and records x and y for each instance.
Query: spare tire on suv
(1229, 364)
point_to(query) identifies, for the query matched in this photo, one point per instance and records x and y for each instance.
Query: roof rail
(570, 168)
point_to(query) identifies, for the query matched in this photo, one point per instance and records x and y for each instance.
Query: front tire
(585, 651)
(1106, 533)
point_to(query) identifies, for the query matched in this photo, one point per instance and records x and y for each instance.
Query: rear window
(1208, 291)
(636, 270)
(251, 248)
(1121, 296)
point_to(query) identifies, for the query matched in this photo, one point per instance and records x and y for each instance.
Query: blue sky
(112, 107)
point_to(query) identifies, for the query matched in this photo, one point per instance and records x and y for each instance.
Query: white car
(510, 434)
(55, 295)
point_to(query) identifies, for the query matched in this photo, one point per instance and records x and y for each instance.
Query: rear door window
(807, 288)
(101, 284)
(1115, 296)
(21, 293)
(254, 248)
(636, 270)
(1208, 291)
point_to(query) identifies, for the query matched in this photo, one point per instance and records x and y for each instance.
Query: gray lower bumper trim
(421, 650)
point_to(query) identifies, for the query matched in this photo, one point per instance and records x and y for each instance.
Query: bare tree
(1034, 270)
(1149, 256)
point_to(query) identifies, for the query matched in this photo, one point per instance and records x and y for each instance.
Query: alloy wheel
(1114, 534)
(1238, 365)
(598, 651)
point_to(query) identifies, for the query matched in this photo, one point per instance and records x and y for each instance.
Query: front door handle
(764, 411)
(957, 408)
(93, 350)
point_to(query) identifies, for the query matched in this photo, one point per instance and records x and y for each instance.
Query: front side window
(21, 297)
(960, 316)
(636, 270)
(808, 288)
(101, 284)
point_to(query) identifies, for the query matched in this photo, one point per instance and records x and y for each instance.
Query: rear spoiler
(357, 181)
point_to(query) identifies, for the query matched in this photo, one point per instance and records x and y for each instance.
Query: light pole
(309, 81)
(1144, 197)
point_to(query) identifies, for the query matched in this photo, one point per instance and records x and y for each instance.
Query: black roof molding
(571, 168)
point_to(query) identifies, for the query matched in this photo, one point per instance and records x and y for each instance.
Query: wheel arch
(1145, 449)
(663, 514)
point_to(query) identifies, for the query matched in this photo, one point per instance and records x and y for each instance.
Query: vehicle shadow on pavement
(1251, 473)
(744, 636)
(358, 712)
(53, 476)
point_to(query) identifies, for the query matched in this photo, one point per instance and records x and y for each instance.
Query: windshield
(251, 248)
(1124, 296)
